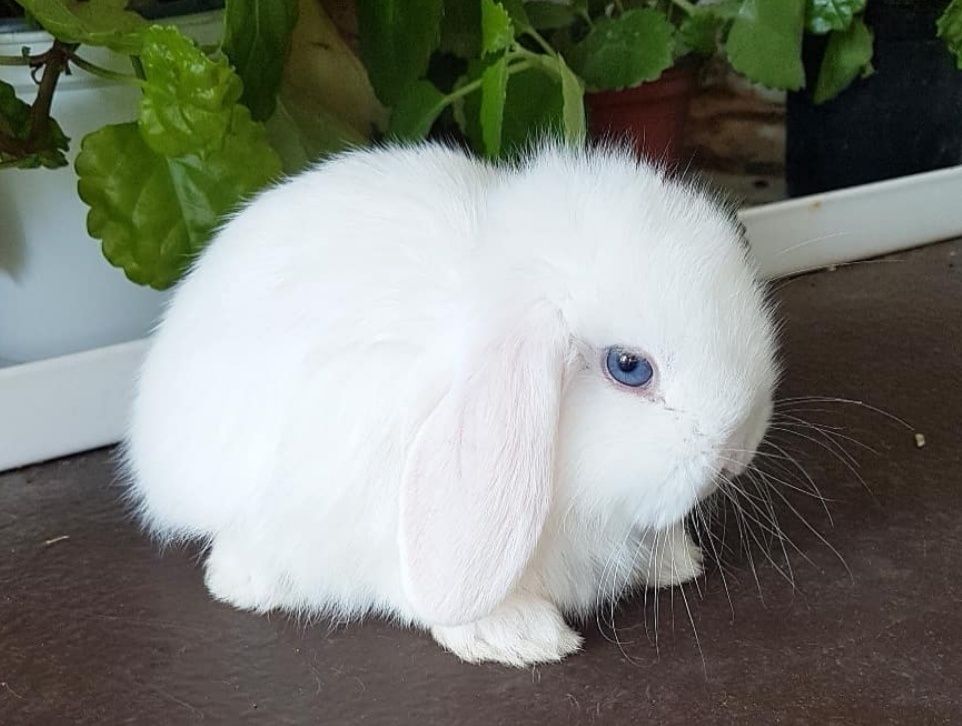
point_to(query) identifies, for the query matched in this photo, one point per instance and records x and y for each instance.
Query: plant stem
(535, 59)
(40, 111)
(463, 91)
(685, 5)
(519, 66)
(469, 88)
(63, 51)
(539, 39)
(25, 59)
(586, 16)
(104, 72)
(54, 62)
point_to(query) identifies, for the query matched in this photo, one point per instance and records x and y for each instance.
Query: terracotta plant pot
(651, 116)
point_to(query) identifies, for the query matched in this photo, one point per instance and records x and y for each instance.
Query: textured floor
(97, 627)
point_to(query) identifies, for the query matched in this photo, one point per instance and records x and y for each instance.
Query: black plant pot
(904, 119)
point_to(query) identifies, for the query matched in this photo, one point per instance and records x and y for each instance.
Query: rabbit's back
(288, 366)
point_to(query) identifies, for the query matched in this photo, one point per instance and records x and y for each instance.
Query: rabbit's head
(618, 354)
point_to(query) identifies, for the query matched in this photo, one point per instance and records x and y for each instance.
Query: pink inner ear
(477, 486)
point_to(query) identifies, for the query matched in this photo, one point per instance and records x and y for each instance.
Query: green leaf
(573, 103)
(15, 124)
(698, 32)
(301, 137)
(848, 55)
(257, 38)
(494, 89)
(158, 188)
(765, 43)
(188, 98)
(326, 102)
(823, 16)
(533, 108)
(397, 39)
(625, 51)
(154, 213)
(950, 30)
(414, 115)
(497, 30)
(461, 29)
(518, 14)
(92, 22)
(14, 113)
(549, 15)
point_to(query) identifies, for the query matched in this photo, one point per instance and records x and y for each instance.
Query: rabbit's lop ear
(477, 483)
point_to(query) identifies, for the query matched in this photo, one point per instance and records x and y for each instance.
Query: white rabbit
(471, 398)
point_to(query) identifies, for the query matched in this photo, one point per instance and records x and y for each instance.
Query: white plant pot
(58, 294)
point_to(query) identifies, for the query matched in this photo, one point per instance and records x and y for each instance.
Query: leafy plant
(763, 41)
(514, 51)
(215, 125)
(526, 65)
(29, 138)
(158, 186)
(492, 54)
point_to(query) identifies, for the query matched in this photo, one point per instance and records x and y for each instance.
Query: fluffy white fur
(381, 389)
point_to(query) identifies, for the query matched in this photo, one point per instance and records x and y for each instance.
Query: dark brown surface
(99, 628)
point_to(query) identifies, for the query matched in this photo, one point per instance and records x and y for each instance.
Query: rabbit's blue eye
(627, 368)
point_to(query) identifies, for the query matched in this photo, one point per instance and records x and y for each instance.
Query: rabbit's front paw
(234, 577)
(523, 630)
